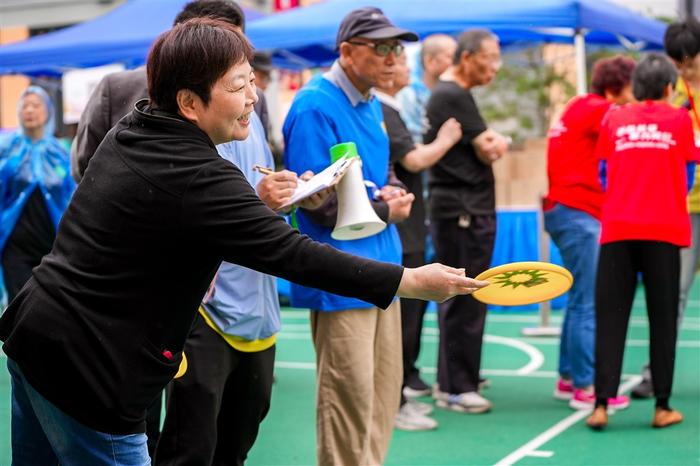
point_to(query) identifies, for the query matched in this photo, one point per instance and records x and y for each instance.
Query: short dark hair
(682, 39)
(225, 10)
(433, 45)
(611, 74)
(651, 77)
(193, 55)
(470, 41)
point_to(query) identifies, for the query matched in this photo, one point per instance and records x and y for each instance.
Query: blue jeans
(576, 234)
(44, 435)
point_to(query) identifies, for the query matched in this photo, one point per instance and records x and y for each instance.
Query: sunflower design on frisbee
(523, 283)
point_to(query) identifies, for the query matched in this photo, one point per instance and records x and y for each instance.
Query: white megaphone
(356, 217)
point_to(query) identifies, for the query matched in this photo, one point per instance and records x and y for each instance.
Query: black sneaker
(643, 390)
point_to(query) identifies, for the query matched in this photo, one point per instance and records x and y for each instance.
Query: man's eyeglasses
(382, 49)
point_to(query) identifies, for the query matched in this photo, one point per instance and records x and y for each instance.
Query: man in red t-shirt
(648, 152)
(572, 213)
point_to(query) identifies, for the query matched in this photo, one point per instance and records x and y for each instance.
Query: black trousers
(214, 411)
(412, 313)
(618, 266)
(461, 319)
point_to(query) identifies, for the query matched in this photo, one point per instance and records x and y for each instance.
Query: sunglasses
(382, 49)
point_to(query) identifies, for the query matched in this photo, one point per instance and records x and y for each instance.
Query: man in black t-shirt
(462, 210)
(409, 160)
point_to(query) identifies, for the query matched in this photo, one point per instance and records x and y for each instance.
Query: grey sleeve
(93, 126)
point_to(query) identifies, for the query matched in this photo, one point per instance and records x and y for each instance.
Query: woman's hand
(436, 282)
(276, 189)
(316, 200)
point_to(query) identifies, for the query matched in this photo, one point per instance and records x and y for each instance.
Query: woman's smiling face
(227, 116)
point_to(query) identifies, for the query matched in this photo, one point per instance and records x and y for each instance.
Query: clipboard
(327, 178)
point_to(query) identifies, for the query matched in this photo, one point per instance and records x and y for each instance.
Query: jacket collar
(146, 114)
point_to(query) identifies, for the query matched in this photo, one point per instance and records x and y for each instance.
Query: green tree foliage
(517, 102)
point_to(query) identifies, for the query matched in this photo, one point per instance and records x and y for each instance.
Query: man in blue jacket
(358, 346)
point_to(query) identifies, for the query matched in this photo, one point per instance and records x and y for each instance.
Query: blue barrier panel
(516, 241)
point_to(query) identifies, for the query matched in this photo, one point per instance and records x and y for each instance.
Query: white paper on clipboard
(322, 180)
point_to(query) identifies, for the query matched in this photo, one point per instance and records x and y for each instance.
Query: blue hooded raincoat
(26, 165)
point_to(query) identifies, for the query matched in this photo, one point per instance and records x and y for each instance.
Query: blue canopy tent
(306, 36)
(123, 35)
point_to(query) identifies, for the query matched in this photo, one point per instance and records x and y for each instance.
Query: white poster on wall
(77, 89)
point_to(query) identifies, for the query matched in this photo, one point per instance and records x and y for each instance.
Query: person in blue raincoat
(35, 187)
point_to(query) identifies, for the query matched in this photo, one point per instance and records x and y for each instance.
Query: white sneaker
(409, 419)
(438, 394)
(470, 402)
(409, 392)
(420, 407)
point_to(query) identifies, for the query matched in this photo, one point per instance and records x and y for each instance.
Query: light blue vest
(245, 303)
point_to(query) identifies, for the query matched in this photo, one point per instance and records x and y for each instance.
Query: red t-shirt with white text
(646, 147)
(572, 167)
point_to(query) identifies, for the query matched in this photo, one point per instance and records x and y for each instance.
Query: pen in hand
(263, 170)
(270, 171)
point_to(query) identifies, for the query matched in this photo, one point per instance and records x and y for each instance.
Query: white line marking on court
(432, 370)
(310, 366)
(430, 336)
(689, 322)
(296, 365)
(556, 429)
(541, 453)
(502, 372)
(536, 356)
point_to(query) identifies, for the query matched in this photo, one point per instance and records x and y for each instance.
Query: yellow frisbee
(520, 283)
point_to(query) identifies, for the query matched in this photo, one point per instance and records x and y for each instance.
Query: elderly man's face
(370, 68)
(485, 63)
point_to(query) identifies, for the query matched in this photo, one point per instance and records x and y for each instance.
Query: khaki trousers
(359, 373)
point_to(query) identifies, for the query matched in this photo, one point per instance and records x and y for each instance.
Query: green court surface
(526, 427)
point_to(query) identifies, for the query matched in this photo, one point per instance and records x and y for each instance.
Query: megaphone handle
(375, 189)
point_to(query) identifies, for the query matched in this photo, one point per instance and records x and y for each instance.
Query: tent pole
(580, 48)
